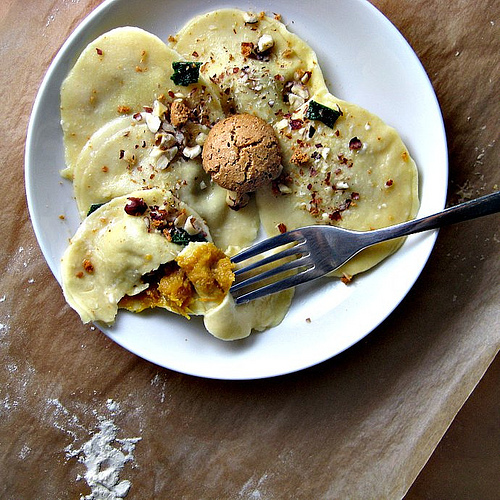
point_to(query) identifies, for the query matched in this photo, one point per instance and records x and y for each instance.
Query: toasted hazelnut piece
(236, 200)
(265, 43)
(179, 114)
(241, 153)
(250, 18)
(299, 157)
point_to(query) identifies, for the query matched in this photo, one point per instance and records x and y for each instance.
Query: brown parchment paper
(361, 425)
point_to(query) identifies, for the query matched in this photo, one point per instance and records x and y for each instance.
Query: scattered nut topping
(246, 49)
(236, 200)
(123, 109)
(355, 144)
(341, 185)
(135, 206)
(265, 42)
(250, 18)
(153, 122)
(192, 152)
(87, 265)
(346, 279)
(179, 114)
(299, 157)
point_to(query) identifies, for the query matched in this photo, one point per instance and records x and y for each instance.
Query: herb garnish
(94, 207)
(182, 237)
(328, 116)
(185, 73)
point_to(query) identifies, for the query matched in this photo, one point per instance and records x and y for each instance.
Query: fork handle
(485, 205)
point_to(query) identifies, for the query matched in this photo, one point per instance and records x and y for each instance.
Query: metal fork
(313, 251)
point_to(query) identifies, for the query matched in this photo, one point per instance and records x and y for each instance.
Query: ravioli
(246, 78)
(342, 165)
(111, 251)
(137, 252)
(116, 74)
(125, 155)
(357, 175)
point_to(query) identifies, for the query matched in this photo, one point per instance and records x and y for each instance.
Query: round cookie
(242, 154)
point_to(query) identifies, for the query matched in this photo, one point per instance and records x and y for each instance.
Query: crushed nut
(250, 18)
(123, 109)
(179, 114)
(87, 266)
(192, 152)
(246, 49)
(265, 43)
(236, 200)
(299, 157)
(153, 122)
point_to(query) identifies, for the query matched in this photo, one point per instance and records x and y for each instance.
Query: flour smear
(103, 454)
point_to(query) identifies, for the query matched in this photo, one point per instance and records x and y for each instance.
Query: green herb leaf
(94, 207)
(185, 73)
(182, 237)
(328, 116)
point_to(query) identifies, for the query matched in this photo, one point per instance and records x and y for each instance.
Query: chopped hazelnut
(246, 49)
(179, 114)
(299, 157)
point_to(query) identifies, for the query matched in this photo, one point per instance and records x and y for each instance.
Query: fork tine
(278, 286)
(304, 261)
(269, 244)
(288, 252)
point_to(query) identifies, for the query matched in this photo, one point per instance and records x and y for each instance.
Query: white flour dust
(104, 461)
(103, 453)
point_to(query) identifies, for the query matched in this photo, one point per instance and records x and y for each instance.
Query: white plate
(366, 61)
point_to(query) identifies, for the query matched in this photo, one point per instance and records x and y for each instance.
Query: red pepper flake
(389, 183)
(99, 51)
(282, 228)
(296, 124)
(195, 54)
(309, 186)
(354, 196)
(355, 144)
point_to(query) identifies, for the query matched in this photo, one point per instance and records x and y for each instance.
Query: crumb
(299, 157)
(179, 114)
